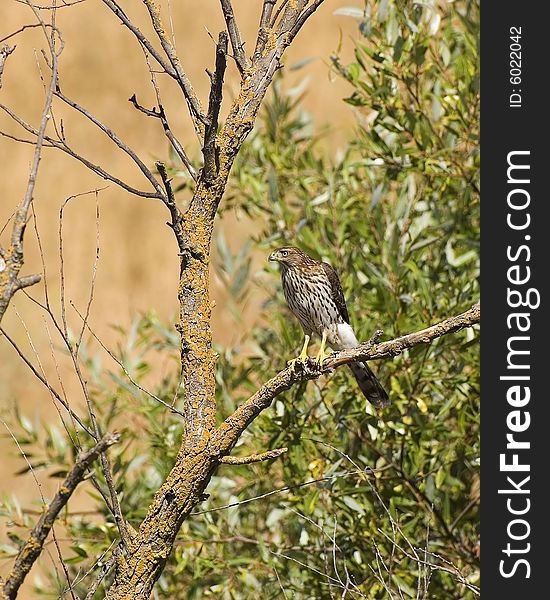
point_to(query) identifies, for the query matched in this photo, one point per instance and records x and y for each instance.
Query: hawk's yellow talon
(302, 357)
(323, 354)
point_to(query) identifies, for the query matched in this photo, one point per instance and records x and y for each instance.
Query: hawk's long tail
(369, 385)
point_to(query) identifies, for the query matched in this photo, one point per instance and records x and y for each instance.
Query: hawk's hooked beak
(274, 256)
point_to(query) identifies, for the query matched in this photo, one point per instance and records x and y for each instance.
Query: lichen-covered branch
(32, 548)
(230, 431)
(252, 458)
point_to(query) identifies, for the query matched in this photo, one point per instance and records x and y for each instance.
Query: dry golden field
(101, 67)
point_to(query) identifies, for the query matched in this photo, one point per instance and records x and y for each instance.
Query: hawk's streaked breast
(309, 295)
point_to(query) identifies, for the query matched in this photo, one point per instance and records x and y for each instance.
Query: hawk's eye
(284, 252)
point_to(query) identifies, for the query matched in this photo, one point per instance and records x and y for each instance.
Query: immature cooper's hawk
(314, 294)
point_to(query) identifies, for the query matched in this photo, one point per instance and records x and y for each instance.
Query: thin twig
(5, 51)
(125, 370)
(12, 260)
(64, 147)
(289, 488)
(176, 145)
(52, 391)
(172, 206)
(92, 283)
(104, 460)
(115, 138)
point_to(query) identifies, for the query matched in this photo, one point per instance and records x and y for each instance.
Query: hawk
(314, 294)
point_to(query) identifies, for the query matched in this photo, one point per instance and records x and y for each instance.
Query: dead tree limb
(234, 35)
(11, 258)
(210, 151)
(32, 548)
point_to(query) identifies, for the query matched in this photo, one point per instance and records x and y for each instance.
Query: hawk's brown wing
(337, 292)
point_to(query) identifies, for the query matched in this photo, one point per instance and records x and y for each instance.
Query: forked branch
(11, 258)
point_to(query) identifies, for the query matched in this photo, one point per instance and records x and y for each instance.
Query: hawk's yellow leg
(323, 353)
(302, 357)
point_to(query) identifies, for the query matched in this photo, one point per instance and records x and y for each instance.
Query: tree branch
(12, 257)
(170, 202)
(252, 458)
(44, 381)
(265, 18)
(304, 17)
(188, 91)
(178, 148)
(62, 145)
(5, 51)
(211, 163)
(117, 10)
(231, 429)
(234, 36)
(114, 138)
(32, 548)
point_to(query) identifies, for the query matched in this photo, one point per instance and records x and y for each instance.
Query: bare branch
(106, 567)
(52, 391)
(304, 17)
(266, 61)
(12, 258)
(265, 19)
(123, 367)
(211, 162)
(252, 458)
(160, 114)
(230, 430)
(57, 4)
(172, 206)
(5, 51)
(27, 280)
(234, 36)
(116, 139)
(32, 548)
(167, 68)
(122, 525)
(62, 145)
(278, 12)
(188, 91)
(21, 29)
(267, 9)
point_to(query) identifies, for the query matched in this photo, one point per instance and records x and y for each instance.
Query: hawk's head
(290, 257)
